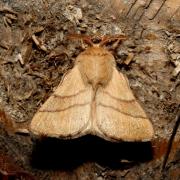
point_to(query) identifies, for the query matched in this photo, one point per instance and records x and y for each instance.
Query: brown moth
(93, 98)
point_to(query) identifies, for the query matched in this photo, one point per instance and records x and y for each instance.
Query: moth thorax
(96, 67)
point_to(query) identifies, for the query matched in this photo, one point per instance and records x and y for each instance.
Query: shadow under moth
(93, 98)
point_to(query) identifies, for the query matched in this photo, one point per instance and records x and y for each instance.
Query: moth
(93, 98)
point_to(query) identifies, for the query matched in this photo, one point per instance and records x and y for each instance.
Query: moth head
(98, 40)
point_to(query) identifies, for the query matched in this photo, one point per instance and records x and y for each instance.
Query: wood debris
(39, 43)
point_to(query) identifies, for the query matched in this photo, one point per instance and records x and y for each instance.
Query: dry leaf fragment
(22, 131)
(177, 69)
(11, 16)
(7, 9)
(4, 45)
(26, 51)
(6, 122)
(39, 43)
(129, 58)
(8, 18)
(37, 29)
(19, 58)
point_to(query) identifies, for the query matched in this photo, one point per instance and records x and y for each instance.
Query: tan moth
(93, 98)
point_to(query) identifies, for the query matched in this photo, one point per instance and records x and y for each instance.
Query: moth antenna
(103, 39)
(171, 139)
(107, 39)
(86, 39)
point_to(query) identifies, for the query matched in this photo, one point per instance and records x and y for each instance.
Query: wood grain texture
(93, 98)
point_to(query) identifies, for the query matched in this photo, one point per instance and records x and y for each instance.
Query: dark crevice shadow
(52, 153)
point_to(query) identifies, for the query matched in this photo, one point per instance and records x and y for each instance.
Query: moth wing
(67, 111)
(119, 115)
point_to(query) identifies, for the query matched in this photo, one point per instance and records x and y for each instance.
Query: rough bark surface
(35, 53)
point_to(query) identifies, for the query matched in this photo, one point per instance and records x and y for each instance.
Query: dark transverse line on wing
(119, 99)
(64, 109)
(77, 105)
(116, 109)
(59, 96)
